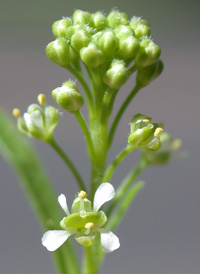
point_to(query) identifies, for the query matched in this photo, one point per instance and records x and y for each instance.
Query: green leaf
(20, 154)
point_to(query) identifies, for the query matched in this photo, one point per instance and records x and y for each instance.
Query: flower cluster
(85, 221)
(110, 43)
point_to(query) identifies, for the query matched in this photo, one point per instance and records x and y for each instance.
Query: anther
(82, 194)
(147, 121)
(158, 131)
(16, 112)
(89, 225)
(41, 99)
(177, 143)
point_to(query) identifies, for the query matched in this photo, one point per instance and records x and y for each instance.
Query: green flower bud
(71, 30)
(142, 30)
(59, 27)
(143, 133)
(82, 17)
(168, 149)
(128, 47)
(123, 31)
(96, 36)
(99, 21)
(116, 18)
(148, 53)
(68, 97)
(92, 56)
(58, 52)
(80, 39)
(108, 43)
(117, 75)
(147, 74)
(39, 123)
(74, 57)
(135, 21)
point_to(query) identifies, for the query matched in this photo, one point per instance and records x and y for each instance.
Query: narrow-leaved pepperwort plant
(109, 49)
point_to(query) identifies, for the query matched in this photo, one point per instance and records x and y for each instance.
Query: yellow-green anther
(116, 18)
(92, 56)
(82, 17)
(99, 21)
(41, 99)
(82, 194)
(80, 39)
(148, 53)
(108, 43)
(158, 131)
(123, 31)
(16, 112)
(68, 97)
(89, 225)
(58, 52)
(147, 74)
(128, 47)
(117, 75)
(59, 27)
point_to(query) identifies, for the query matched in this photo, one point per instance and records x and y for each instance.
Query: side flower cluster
(110, 43)
(85, 221)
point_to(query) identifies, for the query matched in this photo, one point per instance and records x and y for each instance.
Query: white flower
(84, 221)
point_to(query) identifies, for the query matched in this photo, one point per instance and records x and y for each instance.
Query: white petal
(63, 203)
(53, 239)
(37, 119)
(105, 192)
(27, 119)
(109, 240)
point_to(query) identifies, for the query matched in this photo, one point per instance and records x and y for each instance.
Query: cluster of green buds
(169, 147)
(144, 134)
(39, 121)
(110, 42)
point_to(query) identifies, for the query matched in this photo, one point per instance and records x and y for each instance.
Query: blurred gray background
(161, 232)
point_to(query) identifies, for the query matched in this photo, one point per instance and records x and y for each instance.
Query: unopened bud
(142, 30)
(123, 31)
(128, 47)
(58, 52)
(117, 75)
(108, 42)
(148, 53)
(116, 18)
(99, 21)
(147, 74)
(80, 39)
(68, 97)
(82, 17)
(59, 27)
(92, 56)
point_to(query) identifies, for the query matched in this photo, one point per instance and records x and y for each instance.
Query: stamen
(158, 131)
(82, 194)
(41, 99)
(177, 143)
(16, 112)
(89, 225)
(147, 121)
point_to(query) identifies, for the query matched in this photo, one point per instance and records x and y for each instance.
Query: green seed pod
(128, 47)
(99, 21)
(82, 17)
(59, 27)
(147, 74)
(80, 204)
(117, 75)
(58, 52)
(68, 97)
(116, 18)
(80, 39)
(148, 53)
(92, 56)
(108, 43)
(143, 133)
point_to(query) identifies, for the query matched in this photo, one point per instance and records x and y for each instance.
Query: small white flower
(84, 222)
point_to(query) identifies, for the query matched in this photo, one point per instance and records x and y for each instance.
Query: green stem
(126, 183)
(120, 157)
(120, 213)
(69, 163)
(86, 133)
(120, 113)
